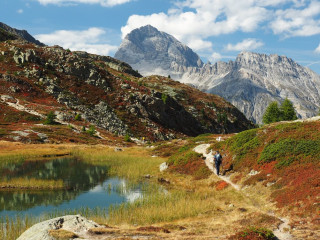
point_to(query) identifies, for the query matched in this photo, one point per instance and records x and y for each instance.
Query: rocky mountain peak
(152, 51)
(250, 82)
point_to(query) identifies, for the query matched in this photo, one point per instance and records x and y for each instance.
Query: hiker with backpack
(217, 161)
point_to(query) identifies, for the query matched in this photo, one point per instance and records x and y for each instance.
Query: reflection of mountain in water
(76, 175)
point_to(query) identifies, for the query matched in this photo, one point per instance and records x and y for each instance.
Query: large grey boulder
(73, 223)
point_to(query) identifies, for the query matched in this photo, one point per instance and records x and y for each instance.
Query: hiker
(217, 161)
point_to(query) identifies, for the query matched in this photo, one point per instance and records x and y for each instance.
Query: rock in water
(73, 223)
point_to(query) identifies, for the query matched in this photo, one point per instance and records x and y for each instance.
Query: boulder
(72, 223)
(163, 166)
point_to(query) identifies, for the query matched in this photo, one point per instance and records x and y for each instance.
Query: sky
(215, 29)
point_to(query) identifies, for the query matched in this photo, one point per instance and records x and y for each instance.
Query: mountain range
(105, 92)
(250, 82)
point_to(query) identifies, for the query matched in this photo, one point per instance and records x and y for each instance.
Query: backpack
(218, 158)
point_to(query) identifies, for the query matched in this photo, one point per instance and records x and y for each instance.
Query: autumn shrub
(186, 161)
(253, 233)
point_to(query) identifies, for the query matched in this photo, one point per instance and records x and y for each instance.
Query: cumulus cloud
(104, 3)
(297, 21)
(20, 11)
(90, 40)
(208, 18)
(247, 44)
(215, 57)
(317, 50)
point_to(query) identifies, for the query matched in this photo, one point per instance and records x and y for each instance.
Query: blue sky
(215, 29)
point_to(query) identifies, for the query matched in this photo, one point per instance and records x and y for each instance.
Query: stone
(163, 166)
(73, 223)
(118, 149)
(253, 172)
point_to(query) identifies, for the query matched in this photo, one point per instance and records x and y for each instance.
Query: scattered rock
(118, 149)
(162, 180)
(163, 166)
(253, 172)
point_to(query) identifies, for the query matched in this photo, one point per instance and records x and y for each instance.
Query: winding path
(280, 232)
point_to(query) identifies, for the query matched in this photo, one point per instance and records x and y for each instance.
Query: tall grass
(132, 163)
(25, 183)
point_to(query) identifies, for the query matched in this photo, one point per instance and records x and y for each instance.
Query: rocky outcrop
(19, 34)
(250, 82)
(72, 223)
(110, 95)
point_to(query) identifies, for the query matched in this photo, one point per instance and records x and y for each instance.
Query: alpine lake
(85, 186)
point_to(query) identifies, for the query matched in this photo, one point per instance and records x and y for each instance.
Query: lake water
(89, 186)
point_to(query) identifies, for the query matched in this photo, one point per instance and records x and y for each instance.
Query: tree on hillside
(287, 110)
(272, 113)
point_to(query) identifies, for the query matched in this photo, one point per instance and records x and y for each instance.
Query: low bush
(253, 233)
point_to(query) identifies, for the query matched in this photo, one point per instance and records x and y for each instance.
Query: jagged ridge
(250, 82)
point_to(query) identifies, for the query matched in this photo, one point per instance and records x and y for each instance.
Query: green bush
(78, 117)
(243, 142)
(91, 131)
(127, 138)
(164, 98)
(50, 118)
(296, 149)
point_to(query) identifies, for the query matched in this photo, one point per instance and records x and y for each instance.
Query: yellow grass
(24, 183)
(131, 163)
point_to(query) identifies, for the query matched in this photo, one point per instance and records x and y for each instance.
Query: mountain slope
(19, 34)
(152, 51)
(250, 82)
(106, 93)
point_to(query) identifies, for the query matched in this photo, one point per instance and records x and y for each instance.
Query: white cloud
(317, 49)
(104, 3)
(198, 44)
(207, 18)
(247, 44)
(90, 40)
(297, 21)
(193, 21)
(20, 11)
(215, 57)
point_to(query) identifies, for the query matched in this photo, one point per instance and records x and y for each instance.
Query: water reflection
(87, 186)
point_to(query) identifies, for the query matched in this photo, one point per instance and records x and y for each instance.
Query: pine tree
(287, 111)
(272, 113)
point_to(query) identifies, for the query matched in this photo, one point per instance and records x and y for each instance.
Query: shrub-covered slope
(106, 93)
(286, 159)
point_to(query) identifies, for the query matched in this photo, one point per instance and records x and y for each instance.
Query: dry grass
(132, 163)
(34, 184)
(62, 234)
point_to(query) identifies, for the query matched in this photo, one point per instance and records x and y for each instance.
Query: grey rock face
(250, 82)
(148, 49)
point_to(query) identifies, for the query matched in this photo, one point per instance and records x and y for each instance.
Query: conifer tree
(272, 113)
(287, 110)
